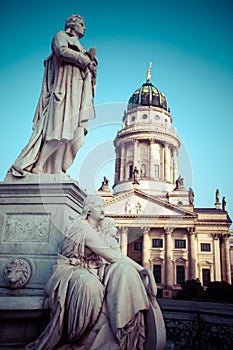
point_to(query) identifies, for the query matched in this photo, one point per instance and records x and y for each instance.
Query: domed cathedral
(158, 225)
(147, 146)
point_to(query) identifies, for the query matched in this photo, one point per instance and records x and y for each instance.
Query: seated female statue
(99, 298)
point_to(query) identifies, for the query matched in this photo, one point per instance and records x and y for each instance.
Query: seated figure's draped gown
(94, 304)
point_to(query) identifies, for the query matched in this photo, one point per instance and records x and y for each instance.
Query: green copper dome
(147, 95)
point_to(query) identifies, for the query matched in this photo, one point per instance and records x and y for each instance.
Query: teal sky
(191, 46)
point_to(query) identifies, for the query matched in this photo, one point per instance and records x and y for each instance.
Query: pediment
(180, 260)
(137, 203)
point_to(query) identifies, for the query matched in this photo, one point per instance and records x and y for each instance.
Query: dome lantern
(147, 95)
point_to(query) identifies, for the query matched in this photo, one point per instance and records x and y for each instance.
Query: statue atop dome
(148, 73)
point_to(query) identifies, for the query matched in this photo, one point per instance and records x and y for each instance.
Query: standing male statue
(65, 104)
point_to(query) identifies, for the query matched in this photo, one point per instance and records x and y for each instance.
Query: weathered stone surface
(34, 213)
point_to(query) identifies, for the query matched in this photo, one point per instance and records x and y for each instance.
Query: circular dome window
(157, 117)
(133, 118)
(145, 116)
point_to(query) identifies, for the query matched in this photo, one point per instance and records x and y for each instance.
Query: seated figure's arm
(98, 246)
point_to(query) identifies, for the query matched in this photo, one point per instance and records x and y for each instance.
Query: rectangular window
(157, 243)
(205, 247)
(180, 274)
(157, 273)
(156, 171)
(205, 276)
(131, 171)
(180, 243)
(138, 246)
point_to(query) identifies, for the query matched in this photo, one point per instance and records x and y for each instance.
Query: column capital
(164, 144)
(151, 141)
(168, 230)
(191, 230)
(145, 229)
(223, 236)
(123, 229)
(215, 236)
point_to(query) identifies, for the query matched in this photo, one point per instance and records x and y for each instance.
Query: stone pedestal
(34, 213)
(167, 293)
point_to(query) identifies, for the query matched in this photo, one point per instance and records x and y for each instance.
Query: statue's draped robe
(65, 104)
(94, 305)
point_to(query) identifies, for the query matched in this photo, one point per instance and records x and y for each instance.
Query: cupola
(147, 95)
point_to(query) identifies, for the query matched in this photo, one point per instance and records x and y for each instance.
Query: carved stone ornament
(17, 273)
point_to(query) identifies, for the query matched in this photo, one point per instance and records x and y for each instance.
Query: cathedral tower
(147, 145)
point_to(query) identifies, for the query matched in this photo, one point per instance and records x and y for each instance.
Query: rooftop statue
(65, 105)
(104, 186)
(99, 298)
(179, 183)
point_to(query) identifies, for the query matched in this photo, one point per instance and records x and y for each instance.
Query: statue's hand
(93, 68)
(92, 53)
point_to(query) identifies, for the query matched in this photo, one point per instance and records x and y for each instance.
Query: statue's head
(75, 23)
(108, 225)
(93, 205)
(71, 21)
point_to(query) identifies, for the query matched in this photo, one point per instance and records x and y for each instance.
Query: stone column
(135, 153)
(162, 162)
(124, 239)
(146, 248)
(168, 257)
(191, 253)
(227, 256)
(226, 268)
(151, 162)
(122, 166)
(117, 165)
(166, 164)
(217, 258)
(175, 166)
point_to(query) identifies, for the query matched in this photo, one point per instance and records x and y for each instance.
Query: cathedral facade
(158, 224)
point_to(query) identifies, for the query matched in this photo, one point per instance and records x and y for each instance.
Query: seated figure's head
(108, 226)
(93, 206)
